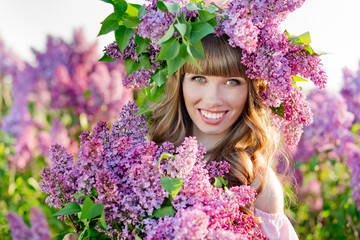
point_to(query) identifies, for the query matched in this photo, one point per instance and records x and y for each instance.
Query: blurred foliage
(19, 191)
(325, 209)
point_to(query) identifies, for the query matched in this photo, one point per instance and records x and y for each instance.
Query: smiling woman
(222, 107)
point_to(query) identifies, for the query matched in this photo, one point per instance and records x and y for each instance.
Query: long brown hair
(251, 144)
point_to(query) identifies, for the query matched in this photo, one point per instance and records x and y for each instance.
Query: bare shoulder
(271, 199)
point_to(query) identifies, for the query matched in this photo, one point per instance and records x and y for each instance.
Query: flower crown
(155, 41)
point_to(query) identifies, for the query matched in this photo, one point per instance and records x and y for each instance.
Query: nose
(213, 96)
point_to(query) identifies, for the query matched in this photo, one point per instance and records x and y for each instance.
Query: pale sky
(333, 25)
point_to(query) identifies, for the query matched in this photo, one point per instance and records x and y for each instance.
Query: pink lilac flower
(39, 227)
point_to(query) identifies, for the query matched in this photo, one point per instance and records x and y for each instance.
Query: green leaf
(217, 183)
(102, 221)
(174, 64)
(120, 6)
(145, 61)
(133, 9)
(106, 58)
(164, 211)
(166, 156)
(94, 193)
(109, 24)
(181, 27)
(309, 50)
(138, 238)
(131, 66)
(279, 110)
(142, 11)
(167, 7)
(92, 233)
(206, 16)
(300, 40)
(153, 92)
(159, 77)
(108, 1)
(213, 22)
(70, 208)
(78, 196)
(142, 45)
(169, 33)
(192, 7)
(298, 79)
(186, 54)
(171, 185)
(169, 50)
(131, 22)
(355, 128)
(211, 9)
(122, 37)
(200, 30)
(313, 163)
(91, 209)
(197, 50)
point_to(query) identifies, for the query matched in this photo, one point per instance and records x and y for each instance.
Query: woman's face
(214, 103)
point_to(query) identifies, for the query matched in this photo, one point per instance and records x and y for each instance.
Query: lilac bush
(351, 92)
(330, 137)
(127, 172)
(39, 229)
(65, 91)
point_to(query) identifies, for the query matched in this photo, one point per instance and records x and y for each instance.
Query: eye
(198, 79)
(233, 82)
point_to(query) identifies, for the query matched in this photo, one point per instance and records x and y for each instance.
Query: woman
(223, 109)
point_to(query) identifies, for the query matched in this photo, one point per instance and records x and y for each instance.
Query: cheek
(238, 100)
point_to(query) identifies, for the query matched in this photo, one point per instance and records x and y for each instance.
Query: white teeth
(212, 115)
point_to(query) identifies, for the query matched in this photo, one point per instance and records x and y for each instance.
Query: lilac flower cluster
(330, 136)
(125, 170)
(268, 54)
(330, 129)
(351, 92)
(66, 79)
(39, 228)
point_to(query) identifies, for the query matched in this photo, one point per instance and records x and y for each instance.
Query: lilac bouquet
(135, 189)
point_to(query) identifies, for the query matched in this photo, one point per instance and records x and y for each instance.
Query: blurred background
(52, 88)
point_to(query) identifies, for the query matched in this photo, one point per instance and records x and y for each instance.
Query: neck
(208, 140)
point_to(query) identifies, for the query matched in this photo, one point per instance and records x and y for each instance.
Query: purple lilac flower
(59, 179)
(39, 227)
(330, 136)
(65, 79)
(124, 169)
(330, 129)
(350, 92)
(154, 25)
(19, 230)
(9, 62)
(218, 169)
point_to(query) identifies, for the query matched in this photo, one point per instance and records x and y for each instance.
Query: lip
(212, 121)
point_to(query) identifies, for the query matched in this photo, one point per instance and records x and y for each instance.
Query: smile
(211, 115)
